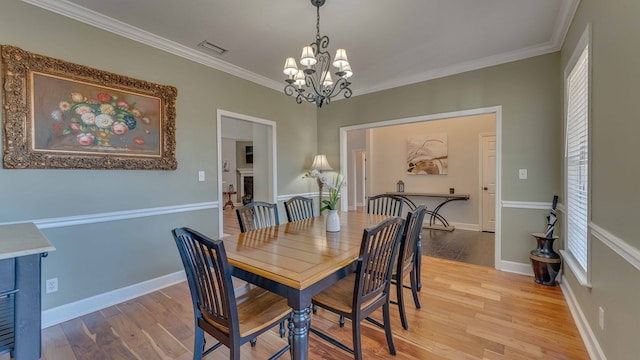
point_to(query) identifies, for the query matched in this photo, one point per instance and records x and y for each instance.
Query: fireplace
(245, 180)
(248, 186)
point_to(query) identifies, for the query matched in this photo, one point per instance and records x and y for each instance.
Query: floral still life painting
(63, 115)
(427, 155)
(87, 118)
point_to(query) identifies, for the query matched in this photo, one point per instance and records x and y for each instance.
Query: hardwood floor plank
(468, 312)
(55, 340)
(82, 342)
(163, 344)
(106, 338)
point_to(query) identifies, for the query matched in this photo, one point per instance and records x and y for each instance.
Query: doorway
(246, 163)
(496, 111)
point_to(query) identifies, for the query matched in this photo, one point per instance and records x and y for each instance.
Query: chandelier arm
(289, 90)
(341, 84)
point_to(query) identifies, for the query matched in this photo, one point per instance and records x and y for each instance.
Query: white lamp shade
(347, 71)
(290, 66)
(326, 79)
(341, 58)
(300, 79)
(308, 58)
(320, 163)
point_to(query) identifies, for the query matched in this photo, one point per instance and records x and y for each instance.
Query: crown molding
(98, 20)
(560, 28)
(93, 18)
(563, 21)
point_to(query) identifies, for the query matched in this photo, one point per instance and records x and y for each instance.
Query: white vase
(333, 221)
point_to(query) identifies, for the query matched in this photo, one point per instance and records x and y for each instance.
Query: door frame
(497, 110)
(273, 159)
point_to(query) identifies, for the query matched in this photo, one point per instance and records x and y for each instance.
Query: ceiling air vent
(212, 47)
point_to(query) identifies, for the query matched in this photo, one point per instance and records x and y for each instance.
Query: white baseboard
(589, 338)
(82, 307)
(515, 267)
(465, 226)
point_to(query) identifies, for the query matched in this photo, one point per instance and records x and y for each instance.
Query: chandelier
(314, 82)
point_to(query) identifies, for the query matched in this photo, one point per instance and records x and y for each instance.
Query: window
(577, 112)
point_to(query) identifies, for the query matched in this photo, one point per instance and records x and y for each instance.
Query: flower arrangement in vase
(335, 186)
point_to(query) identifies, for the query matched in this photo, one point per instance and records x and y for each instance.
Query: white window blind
(577, 158)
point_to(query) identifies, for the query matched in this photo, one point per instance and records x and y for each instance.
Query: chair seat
(257, 309)
(339, 296)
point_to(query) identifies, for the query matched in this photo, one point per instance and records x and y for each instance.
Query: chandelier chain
(318, 22)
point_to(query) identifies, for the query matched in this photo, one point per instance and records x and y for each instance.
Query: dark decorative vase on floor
(545, 261)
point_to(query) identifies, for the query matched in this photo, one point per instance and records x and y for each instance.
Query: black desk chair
(298, 208)
(257, 215)
(363, 292)
(407, 260)
(232, 321)
(385, 204)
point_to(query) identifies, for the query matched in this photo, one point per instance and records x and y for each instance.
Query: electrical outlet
(51, 285)
(200, 175)
(601, 317)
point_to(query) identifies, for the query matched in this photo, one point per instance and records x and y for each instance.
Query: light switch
(522, 173)
(200, 175)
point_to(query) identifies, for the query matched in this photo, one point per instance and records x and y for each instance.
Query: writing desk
(298, 260)
(434, 214)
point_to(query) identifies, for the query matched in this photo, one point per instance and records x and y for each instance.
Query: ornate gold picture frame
(58, 114)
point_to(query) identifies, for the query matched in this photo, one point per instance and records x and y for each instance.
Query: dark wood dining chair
(230, 320)
(361, 293)
(257, 215)
(385, 204)
(298, 208)
(407, 259)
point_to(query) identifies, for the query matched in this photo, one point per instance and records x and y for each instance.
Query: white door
(489, 183)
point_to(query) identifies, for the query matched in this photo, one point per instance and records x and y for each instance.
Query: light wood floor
(230, 221)
(468, 312)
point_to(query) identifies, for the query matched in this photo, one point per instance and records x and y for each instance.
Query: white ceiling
(389, 42)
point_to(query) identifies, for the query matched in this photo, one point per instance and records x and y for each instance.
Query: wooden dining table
(298, 260)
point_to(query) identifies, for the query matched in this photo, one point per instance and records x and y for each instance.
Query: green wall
(99, 257)
(614, 182)
(529, 93)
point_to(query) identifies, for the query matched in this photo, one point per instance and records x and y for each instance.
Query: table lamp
(321, 164)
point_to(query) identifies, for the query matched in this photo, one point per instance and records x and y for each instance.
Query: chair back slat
(209, 277)
(385, 204)
(257, 215)
(410, 237)
(299, 208)
(377, 256)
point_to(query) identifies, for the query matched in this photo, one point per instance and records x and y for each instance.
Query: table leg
(299, 334)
